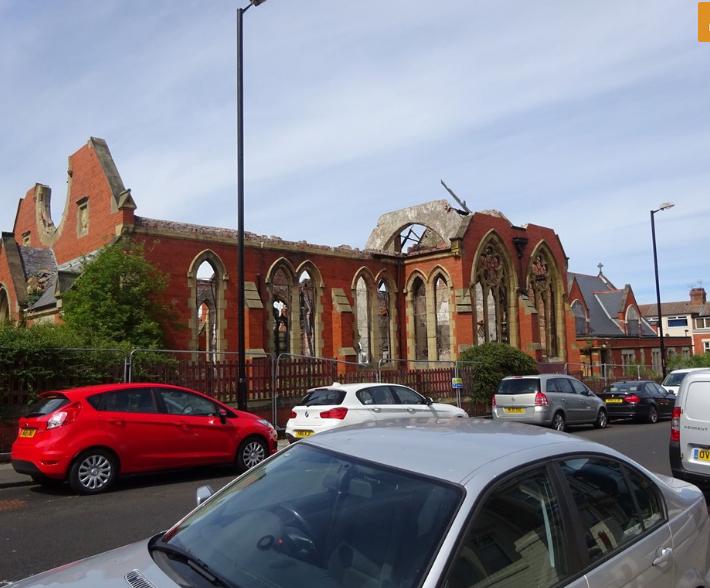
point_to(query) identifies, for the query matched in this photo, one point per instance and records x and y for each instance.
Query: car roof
(455, 449)
(84, 391)
(353, 387)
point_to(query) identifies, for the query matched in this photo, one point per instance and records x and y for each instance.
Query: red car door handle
(115, 421)
(182, 424)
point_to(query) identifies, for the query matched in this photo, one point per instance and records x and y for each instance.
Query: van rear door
(695, 425)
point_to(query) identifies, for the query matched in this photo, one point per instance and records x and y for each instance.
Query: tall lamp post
(242, 392)
(664, 206)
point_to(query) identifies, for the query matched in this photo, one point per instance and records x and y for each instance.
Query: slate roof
(604, 303)
(675, 309)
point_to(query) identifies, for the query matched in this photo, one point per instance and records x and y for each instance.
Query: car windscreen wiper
(194, 562)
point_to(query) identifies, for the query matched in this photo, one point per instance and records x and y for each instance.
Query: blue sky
(579, 116)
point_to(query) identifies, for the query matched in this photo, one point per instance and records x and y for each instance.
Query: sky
(579, 116)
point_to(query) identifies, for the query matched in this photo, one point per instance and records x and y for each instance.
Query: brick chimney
(698, 296)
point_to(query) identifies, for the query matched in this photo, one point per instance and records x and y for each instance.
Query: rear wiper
(194, 562)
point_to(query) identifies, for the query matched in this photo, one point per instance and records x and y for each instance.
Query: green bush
(492, 362)
(677, 361)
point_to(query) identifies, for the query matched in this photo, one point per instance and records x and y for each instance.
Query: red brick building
(431, 281)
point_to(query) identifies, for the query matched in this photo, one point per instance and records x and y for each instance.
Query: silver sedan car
(463, 504)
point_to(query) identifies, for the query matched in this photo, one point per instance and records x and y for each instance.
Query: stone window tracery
(307, 308)
(421, 343)
(490, 293)
(441, 305)
(281, 295)
(541, 291)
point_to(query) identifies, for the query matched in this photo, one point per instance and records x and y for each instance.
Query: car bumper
(533, 415)
(51, 464)
(626, 412)
(698, 478)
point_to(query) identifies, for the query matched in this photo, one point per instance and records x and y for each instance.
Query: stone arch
(438, 217)
(283, 298)
(493, 292)
(207, 303)
(386, 343)
(417, 317)
(364, 296)
(546, 292)
(5, 309)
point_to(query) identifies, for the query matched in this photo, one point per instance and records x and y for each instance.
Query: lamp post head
(663, 206)
(257, 2)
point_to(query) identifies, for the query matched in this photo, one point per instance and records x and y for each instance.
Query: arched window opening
(306, 297)
(415, 238)
(4, 306)
(441, 303)
(633, 325)
(383, 320)
(542, 293)
(363, 310)
(580, 319)
(421, 349)
(207, 309)
(490, 293)
(280, 288)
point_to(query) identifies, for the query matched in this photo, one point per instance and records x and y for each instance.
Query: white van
(689, 449)
(673, 379)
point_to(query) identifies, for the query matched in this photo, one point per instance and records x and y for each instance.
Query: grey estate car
(465, 504)
(552, 400)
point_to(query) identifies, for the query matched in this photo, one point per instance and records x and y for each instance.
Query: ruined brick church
(431, 281)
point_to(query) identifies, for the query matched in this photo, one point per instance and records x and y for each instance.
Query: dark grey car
(551, 400)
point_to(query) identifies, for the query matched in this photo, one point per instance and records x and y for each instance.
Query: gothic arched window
(490, 293)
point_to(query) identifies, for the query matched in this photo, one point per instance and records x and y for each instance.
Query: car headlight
(266, 423)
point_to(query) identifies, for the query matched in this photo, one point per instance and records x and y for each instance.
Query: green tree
(117, 298)
(677, 361)
(492, 362)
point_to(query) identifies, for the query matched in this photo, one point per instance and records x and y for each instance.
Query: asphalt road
(41, 529)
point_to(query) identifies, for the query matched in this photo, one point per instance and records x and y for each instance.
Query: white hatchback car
(338, 405)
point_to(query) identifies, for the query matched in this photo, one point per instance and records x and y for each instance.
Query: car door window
(552, 385)
(516, 538)
(382, 395)
(579, 388)
(564, 385)
(407, 396)
(648, 499)
(134, 400)
(606, 508)
(179, 402)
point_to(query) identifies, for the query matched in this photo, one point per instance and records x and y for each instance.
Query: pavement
(9, 478)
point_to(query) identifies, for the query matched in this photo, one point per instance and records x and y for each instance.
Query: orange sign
(704, 21)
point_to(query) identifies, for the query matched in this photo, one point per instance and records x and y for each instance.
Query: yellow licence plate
(614, 400)
(515, 410)
(301, 434)
(28, 432)
(702, 454)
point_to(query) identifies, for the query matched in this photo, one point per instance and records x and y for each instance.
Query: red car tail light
(493, 401)
(675, 424)
(65, 416)
(632, 398)
(334, 413)
(541, 399)
(293, 414)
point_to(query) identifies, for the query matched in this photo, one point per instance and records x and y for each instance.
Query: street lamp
(664, 206)
(242, 393)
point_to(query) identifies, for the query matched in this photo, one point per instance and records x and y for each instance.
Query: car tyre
(558, 422)
(251, 452)
(93, 471)
(602, 420)
(652, 414)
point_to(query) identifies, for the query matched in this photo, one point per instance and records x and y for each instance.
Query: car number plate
(301, 434)
(515, 410)
(702, 454)
(614, 400)
(29, 433)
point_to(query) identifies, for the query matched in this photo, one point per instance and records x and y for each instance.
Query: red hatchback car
(89, 435)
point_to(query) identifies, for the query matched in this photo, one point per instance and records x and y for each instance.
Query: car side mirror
(429, 400)
(203, 493)
(222, 415)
